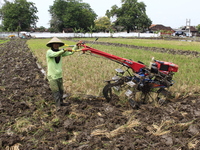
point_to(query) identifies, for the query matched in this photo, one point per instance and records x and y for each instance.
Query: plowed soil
(30, 121)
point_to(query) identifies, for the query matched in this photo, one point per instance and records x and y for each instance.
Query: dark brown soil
(30, 121)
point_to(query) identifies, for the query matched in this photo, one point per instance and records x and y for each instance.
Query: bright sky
(173, 13)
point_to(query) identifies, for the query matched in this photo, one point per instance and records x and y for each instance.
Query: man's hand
(67, 49)
(79, 44)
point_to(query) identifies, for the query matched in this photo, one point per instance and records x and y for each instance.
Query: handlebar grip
(78, 50)
(69, 45)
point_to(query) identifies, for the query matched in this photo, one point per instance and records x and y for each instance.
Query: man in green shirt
(54, 67)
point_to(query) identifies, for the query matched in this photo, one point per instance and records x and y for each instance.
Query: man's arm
(51, 53)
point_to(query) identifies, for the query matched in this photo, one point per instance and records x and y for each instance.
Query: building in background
(162, 29)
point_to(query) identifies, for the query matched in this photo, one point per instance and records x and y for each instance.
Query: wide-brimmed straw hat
(55, 40)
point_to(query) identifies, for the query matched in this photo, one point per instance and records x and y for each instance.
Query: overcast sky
(173, 13)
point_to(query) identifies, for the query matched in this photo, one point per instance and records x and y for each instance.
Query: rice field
(85, 74)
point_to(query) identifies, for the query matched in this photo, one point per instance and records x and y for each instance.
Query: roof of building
(158, 27)
(192, 28)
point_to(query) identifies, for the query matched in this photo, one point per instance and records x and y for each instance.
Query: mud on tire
(107, 92)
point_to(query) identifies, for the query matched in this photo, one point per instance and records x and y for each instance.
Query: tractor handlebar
(135, 66)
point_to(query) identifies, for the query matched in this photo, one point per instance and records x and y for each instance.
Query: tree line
(75, 16)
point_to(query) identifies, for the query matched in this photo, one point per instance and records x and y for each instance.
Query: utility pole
(188, 25)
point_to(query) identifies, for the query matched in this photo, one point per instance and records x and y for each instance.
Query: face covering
(57, 59)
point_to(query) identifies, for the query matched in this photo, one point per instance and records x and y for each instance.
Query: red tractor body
(166, 67)
(135, 66)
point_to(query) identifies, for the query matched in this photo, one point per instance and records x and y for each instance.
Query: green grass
(3, 41)
(85, 74)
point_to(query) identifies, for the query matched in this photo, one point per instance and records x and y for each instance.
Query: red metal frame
(135, 66)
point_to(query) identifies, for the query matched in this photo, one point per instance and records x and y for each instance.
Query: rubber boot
(61, 98)
(61, 102)
(57, 99)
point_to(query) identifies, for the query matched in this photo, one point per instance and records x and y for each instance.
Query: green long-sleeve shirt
(54, 70)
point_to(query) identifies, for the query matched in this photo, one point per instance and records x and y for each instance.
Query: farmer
(54, 67)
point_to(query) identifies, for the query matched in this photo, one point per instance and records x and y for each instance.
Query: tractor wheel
(107, 92)
(113, 91)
